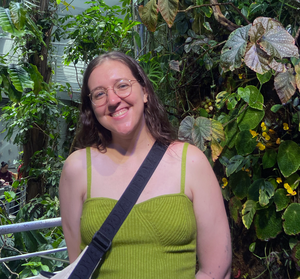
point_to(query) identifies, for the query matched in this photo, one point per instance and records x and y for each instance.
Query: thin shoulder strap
(89, 171)
(183, 167)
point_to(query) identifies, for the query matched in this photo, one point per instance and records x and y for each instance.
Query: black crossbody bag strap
(102, 239)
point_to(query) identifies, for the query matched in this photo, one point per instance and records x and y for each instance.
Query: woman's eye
(98, 94)
(123, 86)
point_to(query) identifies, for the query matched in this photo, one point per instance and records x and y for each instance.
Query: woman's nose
(112, 97)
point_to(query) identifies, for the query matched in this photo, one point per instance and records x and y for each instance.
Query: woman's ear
(145, 95)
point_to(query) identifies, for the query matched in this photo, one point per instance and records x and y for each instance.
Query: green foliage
(96, 30)
(32, 241)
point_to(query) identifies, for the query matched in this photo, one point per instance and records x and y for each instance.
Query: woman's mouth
(119, 112)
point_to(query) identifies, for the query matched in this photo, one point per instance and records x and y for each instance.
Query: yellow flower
(225, 182)
(278, 141)
(266, 136)
(261, 146)
(285, 126)
(253, 133)
(278, 180)
(271, 131)
(240, 76)
(289, 189)
(263, 126)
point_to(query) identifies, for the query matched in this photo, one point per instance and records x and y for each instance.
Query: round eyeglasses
(122, 89)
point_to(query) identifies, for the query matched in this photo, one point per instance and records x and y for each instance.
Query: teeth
(119, 113)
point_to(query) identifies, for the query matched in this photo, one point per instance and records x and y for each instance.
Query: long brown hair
(92, 133)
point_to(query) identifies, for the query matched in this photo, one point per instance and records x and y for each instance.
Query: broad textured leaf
(148, 15)
(201, 132)
(257, 60)
(18, 15)
(256, 99)
(231, 132)
(250, 118)
(239, 183)
(185, 129)
(279, 43)
(217, 136)
(174, 65)
(297, 70)
(253, 190)
(221, 99)
(264, 78)
(30, 241)
(256, 32)
(248, 212)
(267, 23)
(266, 192)
(245, 143)
(268, 223)
(234, 49)
(235, 206)
(291, 215)
(288, 158)
(20, 78)
(296, 255)
(269, 158)
(244, 93)
(276, 66)
(168, 10)
(7, 24)
(233, 164)
(280, 199)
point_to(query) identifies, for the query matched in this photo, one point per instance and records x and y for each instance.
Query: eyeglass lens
(122, 88)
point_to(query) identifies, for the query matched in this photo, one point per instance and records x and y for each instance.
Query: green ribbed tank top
(156, 241)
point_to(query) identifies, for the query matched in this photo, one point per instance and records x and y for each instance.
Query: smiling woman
(179, 214)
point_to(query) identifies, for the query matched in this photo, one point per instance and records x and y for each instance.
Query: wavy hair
(92, 133)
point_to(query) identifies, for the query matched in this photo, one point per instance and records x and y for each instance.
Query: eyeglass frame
(106, 90)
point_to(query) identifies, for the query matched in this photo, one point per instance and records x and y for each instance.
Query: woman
(5, 174)
(181, 210)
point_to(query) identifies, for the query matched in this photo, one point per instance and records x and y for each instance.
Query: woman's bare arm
(72, 188)
(213, 234)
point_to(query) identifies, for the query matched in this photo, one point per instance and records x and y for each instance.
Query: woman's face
(122, 116)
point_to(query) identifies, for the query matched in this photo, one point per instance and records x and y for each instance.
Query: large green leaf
(185, 129)
(168, 10)
(6, 23)
(291, 215)
(235, 206)
(266, 192)
(233, 164)
(239, 183)
(18, 15)
(280, 199)
(285, 85)
(201, 132)
(250, 118)
(217, 136)
(245, 143)
(221, 99)
(36, 77)
(148, 15)
(253, 190)
(248, 212)
(269, 158)
(234, 49)
(267, 223)
(231, 133)
(288, 158)
(20, 78)
(256, 99)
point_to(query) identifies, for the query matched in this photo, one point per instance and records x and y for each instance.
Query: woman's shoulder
(76, 160)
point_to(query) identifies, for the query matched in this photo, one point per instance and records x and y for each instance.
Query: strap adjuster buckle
(101, 241)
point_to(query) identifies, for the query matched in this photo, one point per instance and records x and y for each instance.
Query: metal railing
(31, 226)
(13, 207)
